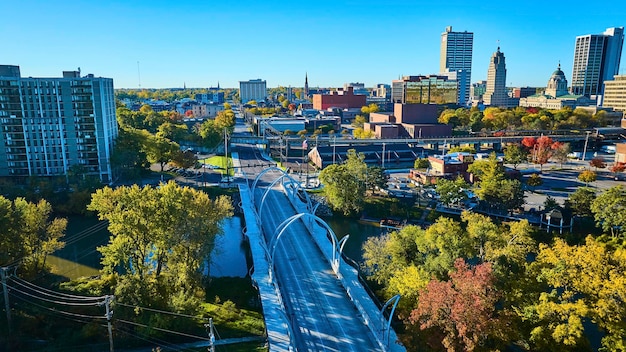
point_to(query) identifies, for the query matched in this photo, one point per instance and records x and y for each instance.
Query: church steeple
(306, 85)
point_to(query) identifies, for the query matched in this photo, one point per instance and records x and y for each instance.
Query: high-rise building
(49, 125)
(456, 55)
(596, 59)
(615, 93)
(254, 89)
(433, 89)
(496, 93)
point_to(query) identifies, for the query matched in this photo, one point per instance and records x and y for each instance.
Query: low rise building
(412, 121)
(340, 98)
(390, 155)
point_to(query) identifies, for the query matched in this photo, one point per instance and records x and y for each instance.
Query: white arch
(309, 203)
(395, 299)
(256, 180)
(337, 246)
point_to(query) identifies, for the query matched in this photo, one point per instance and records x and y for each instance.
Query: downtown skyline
(198, 44)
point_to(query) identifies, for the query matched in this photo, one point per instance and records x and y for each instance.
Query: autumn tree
(582, 283)
(560, 152)
(462, 308)
(617, 168)
(534, 181)
(587, 176)
(597, 162)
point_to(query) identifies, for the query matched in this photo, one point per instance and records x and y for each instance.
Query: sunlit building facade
(49, 125)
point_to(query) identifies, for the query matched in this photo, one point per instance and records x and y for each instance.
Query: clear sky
(201, 42)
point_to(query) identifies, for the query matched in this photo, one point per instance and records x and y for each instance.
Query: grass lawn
(220, 161)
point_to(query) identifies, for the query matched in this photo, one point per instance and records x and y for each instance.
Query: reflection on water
(229, 256)
(359, 232)
(84, 234)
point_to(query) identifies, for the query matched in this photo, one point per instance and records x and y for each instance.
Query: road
(322, 315)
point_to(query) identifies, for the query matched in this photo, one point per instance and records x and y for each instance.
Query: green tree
(160, 238)
(40, 236)
(494, 188)
(421, 163)
(452, 192)
(462, 149)
(345, 183)
(587, 176)
(376, 178)
(609, 210)
(514, 154)
(580, 201)
(161, 150)
(129, 157)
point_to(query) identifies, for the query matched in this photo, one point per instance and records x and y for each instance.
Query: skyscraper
(596, 59)
(496, 94)
(456, 55)
(254, 89)
(49, 125)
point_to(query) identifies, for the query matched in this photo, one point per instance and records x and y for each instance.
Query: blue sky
(199, 43)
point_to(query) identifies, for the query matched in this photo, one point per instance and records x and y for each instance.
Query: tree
(360, 133)
(160, 238)
(534, 180)
(462, 309)
(580, 201)
(129, 157)
(587, 176)
(584, 282)
(452, 192)
(376, 178)
(184, 159)
(345, 183)
(302, 133)
(161, 150)
(617, 168)
(359, 121)
(609, 210)
(560, 152)
(494, 188)
(421, 163)
(514, 154)
(597, 162)
(543, 150)
(462, 149)
(29, 234)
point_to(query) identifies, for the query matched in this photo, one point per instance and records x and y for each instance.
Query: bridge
(312, 299)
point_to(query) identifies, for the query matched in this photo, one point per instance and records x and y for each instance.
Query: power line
(152, 340)
(56, 302)
(51, 293)
(162, 311)
(164, 330)
(58, 310)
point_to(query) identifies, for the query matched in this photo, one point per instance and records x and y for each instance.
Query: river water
(85, 234)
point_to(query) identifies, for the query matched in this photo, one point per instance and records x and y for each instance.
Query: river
(84, 234)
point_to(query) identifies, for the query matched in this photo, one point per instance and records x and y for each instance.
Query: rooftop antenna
(138, 75)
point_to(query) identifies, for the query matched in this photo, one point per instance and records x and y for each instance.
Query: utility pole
(226, 153)
(383, 159)
(211, 330)
(109, 313)
(5, 289)
(586, 141)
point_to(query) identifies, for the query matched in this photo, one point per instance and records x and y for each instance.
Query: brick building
(341, 98)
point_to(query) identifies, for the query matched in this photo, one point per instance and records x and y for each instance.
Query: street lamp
(586, 141)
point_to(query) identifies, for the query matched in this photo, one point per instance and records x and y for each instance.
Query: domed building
(556, 95)
(557, 84)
